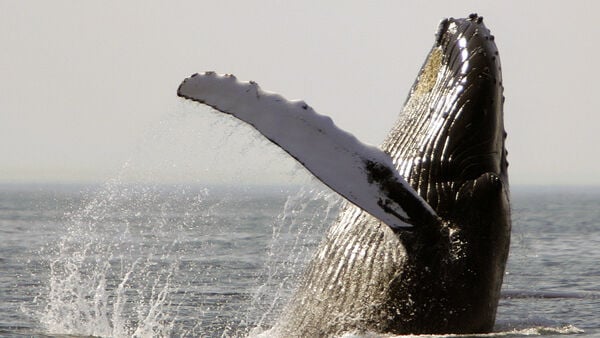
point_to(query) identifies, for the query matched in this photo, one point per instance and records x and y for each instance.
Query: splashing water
(292, 244)
(153, 261)
(112, 273)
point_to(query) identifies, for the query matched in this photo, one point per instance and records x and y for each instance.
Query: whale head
(451, 130)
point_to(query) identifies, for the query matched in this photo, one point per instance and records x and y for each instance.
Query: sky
(89, 87)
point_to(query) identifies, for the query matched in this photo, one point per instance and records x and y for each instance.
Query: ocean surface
(121, 260)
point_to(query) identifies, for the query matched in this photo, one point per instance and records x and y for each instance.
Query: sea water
(122, 260)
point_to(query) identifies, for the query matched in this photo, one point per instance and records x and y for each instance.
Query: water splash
(296, 233)
(113, 273)
(144, 260)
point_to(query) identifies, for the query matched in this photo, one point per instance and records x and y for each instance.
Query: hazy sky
(88, 87)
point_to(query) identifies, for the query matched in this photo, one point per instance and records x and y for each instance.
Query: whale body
(421, 244)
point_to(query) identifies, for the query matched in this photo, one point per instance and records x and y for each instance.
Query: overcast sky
(88, 87)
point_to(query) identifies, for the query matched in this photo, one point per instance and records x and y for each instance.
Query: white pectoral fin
(361, 173)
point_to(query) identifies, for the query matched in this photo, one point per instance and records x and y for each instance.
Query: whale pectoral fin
(363, 174)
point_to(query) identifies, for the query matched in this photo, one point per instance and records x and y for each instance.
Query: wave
(515, 332)
(518, 294)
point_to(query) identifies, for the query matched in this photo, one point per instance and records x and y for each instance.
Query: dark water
(119, 261)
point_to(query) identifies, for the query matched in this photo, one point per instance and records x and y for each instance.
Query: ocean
(119, 260)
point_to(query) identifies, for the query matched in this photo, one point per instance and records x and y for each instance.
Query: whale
(421, 242)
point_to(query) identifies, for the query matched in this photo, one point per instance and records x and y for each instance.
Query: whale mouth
(451, 128)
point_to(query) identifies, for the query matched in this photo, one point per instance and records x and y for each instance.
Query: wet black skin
(442, 275)
(469, 192)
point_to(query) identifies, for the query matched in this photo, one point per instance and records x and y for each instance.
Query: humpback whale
(420, 245)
